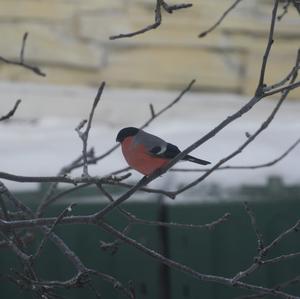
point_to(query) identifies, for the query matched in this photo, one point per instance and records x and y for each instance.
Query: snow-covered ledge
(40, 139)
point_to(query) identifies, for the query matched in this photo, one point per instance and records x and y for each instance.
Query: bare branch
(21, 61)
(85, 134)
(94, 220)
(136, 220)
(213, 27)
(263, 126)
(62, 179)
(152, 110)
(295, 228)
(170, 105)
(46, 236)
(208, 226)
(259, 94)
(293, 71)
(50, 179)
(183, 268)
(263, 165)
(25, 239)
(258, 261)
(82, 279)
(289, 87)
(11, 112)
(170, 8)
(260, 242)
(52, 236)
(23, 47)
(276, 287)
(156, 23)
(24, 257)
(169, 194)
(116, 181)
(157, 18)
(63, 172)
(261, 82)
(284, 9)
(280, 258)
(145, 180)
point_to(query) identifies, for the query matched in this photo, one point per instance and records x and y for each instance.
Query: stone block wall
(69, 40)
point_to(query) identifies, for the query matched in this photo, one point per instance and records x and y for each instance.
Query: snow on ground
(41, 139)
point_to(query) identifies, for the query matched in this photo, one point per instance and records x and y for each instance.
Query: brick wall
(69, 40)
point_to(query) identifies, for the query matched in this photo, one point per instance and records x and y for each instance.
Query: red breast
(139, 158)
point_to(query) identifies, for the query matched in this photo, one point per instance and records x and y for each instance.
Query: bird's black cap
(126, 132)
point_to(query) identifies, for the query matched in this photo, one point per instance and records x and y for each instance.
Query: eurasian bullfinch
(146, 153)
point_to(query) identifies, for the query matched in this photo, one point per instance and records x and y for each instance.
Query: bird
(146, 153)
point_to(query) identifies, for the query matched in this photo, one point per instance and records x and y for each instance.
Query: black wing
(172, 151)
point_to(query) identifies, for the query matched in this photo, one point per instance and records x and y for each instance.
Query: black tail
(195, 160)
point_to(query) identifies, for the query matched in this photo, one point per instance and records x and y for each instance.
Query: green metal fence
(227, 249)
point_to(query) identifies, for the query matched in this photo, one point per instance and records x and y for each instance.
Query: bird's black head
(126, 132)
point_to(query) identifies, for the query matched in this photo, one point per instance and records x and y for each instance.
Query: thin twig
(51, 179)
(21, 61)
(289, 75)
(208, 226)
(52, 236)
(81, 278)
(263, 126)
(11, 112)
(157, 18)
(263, 165)
(276, 287)
(213, 27)
(258, 95)
(157, 22)
(170, 8)
(136, 220)
(280, 258)
(261, 82)
(284, 9)
(152, 111)
(183, 268)
(63, 172)
(22, 255)
(46, 236)
(85, 134)
(260, 242)
(169, 194)
(289, 87)
(295, 228)
(258, 260)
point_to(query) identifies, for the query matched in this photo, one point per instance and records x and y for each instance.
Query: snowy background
(40, 139)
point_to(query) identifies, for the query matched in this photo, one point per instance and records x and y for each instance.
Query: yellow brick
(38, 9)
(52, 10)
(174, 66)
(44, 44)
